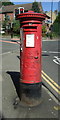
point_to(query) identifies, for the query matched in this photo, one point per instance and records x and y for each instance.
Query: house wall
(53, 16)
(11, 16)
(2, 17)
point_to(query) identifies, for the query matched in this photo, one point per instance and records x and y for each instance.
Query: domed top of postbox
(31, 15)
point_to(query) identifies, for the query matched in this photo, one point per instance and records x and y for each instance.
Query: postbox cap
(30, 11)
(31, 14)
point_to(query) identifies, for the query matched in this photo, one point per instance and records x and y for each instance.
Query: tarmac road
(10, 73)
(51, 66)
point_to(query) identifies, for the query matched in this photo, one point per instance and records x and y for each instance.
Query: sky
(45, 4)
(34, 0)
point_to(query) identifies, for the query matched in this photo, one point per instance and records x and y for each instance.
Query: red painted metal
(30, 60)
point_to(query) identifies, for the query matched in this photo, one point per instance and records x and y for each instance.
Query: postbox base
(30, 94)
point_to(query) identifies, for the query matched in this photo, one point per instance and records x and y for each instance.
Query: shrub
(16, 27)
(44, 30)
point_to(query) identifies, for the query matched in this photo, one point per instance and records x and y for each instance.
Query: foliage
(7, 3)
(56, 25)
(16, 27)
(35, 7)
(44, 30)
(5, 22)
(58, 18)
(52, 35)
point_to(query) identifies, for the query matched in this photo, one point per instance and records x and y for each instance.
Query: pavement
(48, 108)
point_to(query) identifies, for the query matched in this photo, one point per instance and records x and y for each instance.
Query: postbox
(30, 56)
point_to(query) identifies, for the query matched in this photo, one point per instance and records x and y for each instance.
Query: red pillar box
(30, 58)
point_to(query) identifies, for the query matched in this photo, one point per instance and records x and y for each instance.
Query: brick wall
(0, 17)
(11, 16)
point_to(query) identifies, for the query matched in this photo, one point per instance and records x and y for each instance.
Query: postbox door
(31, 58)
